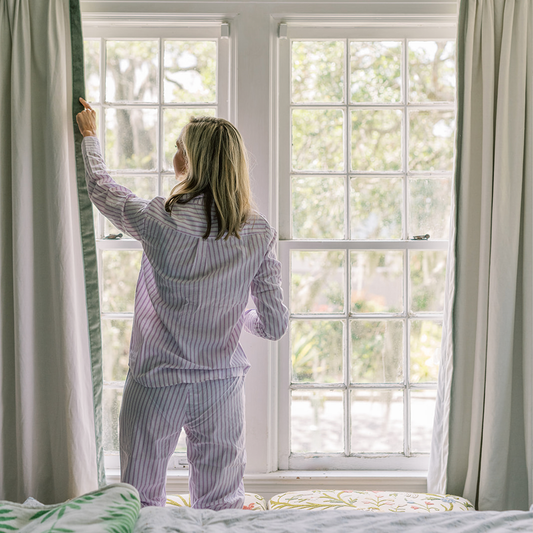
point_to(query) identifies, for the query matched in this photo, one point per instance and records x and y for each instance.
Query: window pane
(317, 139)
(429, 207)
(377, 351)
(431, 140)
(422, 413)
(376, 139)
(317, 207)
(91, 51)
(181, 447)
(317, 421)
(168, 182)
(425, 339)
(111, 402)
(317, 71)
(377, 420)
(431, 71)
(316, 351)
(375, 71)
(377, 281)
(428, 274)
(376, 208)
(173, 122)
(317, 282)
(132, 71)
(130, 140)
(116, 335)
(120, 273)
(142, 186)
(190, 71)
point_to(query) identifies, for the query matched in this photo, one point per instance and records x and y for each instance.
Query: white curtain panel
(483, 440)
(47, 447)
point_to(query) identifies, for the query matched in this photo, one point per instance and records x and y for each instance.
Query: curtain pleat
(50, 383)
(490, 399)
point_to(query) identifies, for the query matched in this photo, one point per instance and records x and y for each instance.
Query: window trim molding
(270, 484)
(347, 20)
(156, 20)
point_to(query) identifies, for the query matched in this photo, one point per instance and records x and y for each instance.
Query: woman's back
(192, 293)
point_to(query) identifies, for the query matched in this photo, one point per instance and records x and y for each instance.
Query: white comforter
(186, 520)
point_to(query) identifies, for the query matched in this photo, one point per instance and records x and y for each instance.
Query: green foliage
(132, 71)
(317, 351)
(130, 138)
(120, 273)
(376, 139)
(376, 208)
(375, 71)
(431, 71)
(317, 139)
(91, 51)
(317, 207)
(116, 336)
(318, 71)
(377, 351)
(425, 341)
(429, 206)
(376, 281)
(431, 136)
(190, 71)
(111, 402)
(317, 281)
(428, 273)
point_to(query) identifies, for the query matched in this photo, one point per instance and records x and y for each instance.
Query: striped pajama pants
(212, 415)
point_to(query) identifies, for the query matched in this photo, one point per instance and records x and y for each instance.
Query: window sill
(274, 483)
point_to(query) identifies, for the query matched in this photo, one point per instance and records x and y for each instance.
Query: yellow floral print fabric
(377, 501)
(252, 502)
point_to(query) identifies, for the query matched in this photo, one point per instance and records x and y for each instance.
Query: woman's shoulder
(257, 224)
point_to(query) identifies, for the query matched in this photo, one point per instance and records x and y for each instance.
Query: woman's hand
(87, 120)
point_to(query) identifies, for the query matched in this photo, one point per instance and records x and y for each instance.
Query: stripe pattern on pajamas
(212, 415)
(187, 366)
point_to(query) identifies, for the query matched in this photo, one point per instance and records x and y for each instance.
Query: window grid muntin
(128, 244)
(347, 174)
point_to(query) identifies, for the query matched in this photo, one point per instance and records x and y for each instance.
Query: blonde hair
(217, 166)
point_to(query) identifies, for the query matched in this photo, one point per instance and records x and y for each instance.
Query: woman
(204, 250)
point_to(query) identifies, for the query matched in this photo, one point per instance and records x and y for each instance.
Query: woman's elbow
(280, 327)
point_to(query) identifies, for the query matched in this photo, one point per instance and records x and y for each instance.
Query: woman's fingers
(86, 119)
(85, 104)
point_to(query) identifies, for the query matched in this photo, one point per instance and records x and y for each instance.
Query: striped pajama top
(191, 295)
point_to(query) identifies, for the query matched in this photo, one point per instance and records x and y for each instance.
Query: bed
(116, 509)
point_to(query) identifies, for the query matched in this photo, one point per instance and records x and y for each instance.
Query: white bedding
(186, 520)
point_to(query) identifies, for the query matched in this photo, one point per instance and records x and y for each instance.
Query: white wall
(253, 30)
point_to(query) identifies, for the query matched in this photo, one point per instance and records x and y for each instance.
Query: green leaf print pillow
(112, 509)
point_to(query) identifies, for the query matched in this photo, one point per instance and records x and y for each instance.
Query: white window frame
(149, 27)
(341, 30)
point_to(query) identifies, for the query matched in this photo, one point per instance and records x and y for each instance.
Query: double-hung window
(366, 149)
(144, 83)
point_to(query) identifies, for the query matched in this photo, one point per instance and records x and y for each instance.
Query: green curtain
(87, 235)
(483, 434)
(50, 341)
